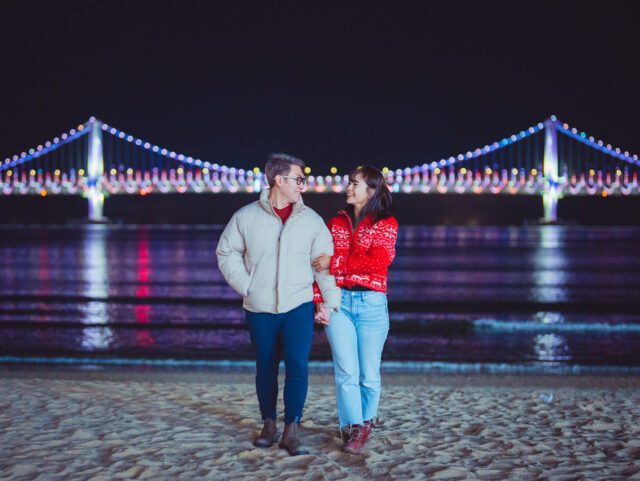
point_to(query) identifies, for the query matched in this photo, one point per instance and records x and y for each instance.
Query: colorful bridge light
(401, 179)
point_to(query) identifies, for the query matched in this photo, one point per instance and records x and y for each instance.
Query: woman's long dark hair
(380, 206)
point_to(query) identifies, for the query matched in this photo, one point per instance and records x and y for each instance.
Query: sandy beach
(68, 425)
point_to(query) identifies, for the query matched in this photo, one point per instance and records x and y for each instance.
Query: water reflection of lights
(550, 317)
(96, 338)
(549, 265)
(143, 337)
(97, 285)
(551, 348)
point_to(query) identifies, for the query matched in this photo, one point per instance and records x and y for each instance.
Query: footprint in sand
(473, 430)
(634, 453)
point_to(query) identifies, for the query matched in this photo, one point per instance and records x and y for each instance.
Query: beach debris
(546, 397)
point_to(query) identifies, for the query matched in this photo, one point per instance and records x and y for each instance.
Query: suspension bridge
(96, 160)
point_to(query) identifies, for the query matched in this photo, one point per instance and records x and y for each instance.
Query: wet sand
(132, 424)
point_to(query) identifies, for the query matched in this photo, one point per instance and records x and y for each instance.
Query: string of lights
(505, 142)
(47, 147)
(487, 149)
(591, 142)
(405, 179)
(163, 151)
(205, 181)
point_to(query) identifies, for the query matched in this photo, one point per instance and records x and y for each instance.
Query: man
(265, 254)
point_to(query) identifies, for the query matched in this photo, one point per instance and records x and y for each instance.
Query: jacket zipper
(278, 250)
(278, 253)
(352, 233)
(278, 267)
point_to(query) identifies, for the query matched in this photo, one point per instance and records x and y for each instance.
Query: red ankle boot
(369, 425)
(358, 435)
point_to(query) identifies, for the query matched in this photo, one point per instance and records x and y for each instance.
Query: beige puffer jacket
(270, 264)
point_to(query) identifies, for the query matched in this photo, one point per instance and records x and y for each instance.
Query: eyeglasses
(299, 180)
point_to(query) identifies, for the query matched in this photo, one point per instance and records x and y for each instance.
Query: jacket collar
(298, 207)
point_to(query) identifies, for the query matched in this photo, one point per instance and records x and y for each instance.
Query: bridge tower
(550, 168)
(95, 169)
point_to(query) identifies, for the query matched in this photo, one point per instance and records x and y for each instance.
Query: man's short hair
(280, 164)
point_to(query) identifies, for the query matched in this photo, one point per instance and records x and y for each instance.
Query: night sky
(336, 85)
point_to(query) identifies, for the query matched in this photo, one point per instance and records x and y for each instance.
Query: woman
(364, 237)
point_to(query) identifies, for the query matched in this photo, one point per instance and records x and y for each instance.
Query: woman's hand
(322, 262)
(322, 314)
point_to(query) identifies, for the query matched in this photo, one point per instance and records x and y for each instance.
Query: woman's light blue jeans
(357, 334)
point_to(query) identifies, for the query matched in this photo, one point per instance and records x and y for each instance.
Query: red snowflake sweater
(361, 258)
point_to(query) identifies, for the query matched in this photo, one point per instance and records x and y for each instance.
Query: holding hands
(322, 314)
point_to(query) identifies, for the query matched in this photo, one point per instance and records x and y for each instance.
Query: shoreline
(232, 376)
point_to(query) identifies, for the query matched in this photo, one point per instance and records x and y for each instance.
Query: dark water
(533, 297)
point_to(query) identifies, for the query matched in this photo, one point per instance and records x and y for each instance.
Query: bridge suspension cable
(111, 161)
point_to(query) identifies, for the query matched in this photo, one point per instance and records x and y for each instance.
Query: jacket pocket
(250, 283)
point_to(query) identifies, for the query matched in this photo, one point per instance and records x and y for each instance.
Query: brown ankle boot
(268, 436)
(290, 440)
(358, 435)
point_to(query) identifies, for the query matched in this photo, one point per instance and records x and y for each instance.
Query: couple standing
(271, 252)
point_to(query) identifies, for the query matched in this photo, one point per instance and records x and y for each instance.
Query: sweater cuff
(317, 295)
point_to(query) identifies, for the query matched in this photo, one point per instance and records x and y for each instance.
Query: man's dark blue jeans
(289, 334)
